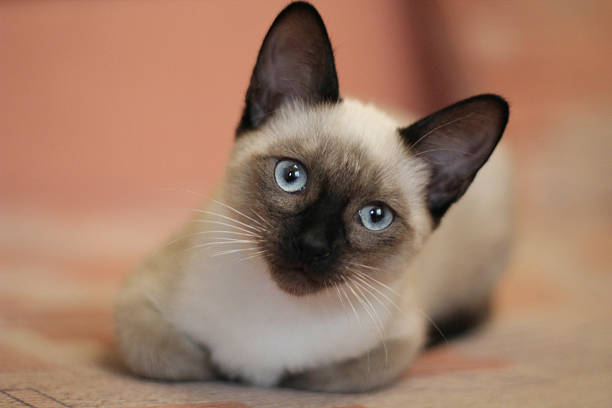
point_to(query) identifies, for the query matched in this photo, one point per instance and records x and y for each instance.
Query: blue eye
(290, 175)
(376, 217)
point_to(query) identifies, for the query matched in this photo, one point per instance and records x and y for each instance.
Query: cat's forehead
(336, 156)
(349, 125)
(349, 135)
(346, 132)
(339, 166)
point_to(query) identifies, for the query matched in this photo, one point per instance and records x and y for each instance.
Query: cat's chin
(295, 280)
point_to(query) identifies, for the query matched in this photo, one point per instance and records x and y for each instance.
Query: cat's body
(289, 287)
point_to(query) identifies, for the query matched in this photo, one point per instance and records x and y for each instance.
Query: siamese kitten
(331, 245)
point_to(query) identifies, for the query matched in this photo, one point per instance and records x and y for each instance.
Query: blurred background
(117, 117)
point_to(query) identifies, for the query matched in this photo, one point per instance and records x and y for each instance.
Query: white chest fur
(258, 332)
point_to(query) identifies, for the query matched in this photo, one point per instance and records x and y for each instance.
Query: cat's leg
(374, 369)
(151, 346)
(462, 320)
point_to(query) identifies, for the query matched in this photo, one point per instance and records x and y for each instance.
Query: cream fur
(248, 328)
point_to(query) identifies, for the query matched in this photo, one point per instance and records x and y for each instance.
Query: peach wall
(129, 104)
(115, 103)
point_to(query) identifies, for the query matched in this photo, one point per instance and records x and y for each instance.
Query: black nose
(314, 245)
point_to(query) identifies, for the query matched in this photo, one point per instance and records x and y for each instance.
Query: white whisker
(238, 212)
(182, 237)
(251, 227)
(374, 280)
(340, 297)
(233, 251)
(435, 326)
(366, 266)
(263, 251)
(375, 317)
(212, 244)
(206, 221)
(361, 277)
(349, 301)
(389, 288)
(243, 234)
(349, 284)
(373, 292)
(371, 311)
(215, 243)
(265, 222)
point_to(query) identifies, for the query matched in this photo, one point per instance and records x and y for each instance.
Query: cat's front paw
(152, 348)
(375, 369)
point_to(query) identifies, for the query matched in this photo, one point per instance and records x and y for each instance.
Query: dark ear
(295, 62)
(456, 142)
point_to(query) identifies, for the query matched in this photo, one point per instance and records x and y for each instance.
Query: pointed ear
(295, 61)
(455, 142)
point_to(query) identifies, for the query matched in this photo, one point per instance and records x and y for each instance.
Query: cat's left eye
(290, 175)
(375, 216)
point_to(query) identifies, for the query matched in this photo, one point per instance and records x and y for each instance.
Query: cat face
(339, 186)
(331, 204)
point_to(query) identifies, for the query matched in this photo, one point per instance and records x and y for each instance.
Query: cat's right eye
(290, 175)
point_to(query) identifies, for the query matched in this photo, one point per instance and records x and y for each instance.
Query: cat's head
(337, 187)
